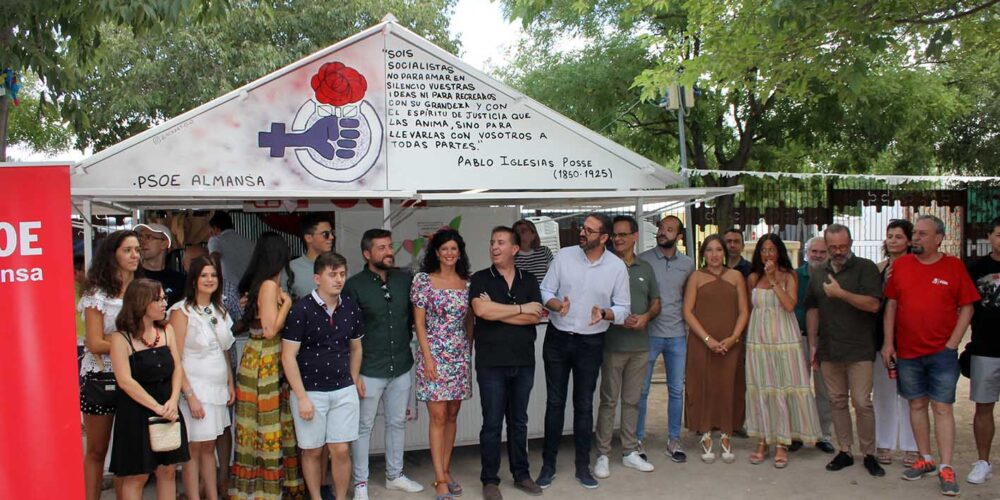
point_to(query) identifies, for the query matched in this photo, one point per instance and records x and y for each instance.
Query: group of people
(326, 348)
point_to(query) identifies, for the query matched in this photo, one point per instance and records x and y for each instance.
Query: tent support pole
(638, 218)
(386, 214)
(88, 233)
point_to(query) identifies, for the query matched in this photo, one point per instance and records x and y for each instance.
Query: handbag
(100, 388)
(965, 363)
(164, 435)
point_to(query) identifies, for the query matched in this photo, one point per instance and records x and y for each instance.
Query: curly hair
(139, 294)
(191, 287)
(757, 264)
(270, 257)
(103, 274)
(431, 262)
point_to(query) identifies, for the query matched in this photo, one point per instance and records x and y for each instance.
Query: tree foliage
(56, 40)
(141, 81)
(797, 85)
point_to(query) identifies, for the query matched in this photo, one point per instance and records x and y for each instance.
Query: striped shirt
(534, 261)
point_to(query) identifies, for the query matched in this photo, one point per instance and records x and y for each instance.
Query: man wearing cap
(154, 241)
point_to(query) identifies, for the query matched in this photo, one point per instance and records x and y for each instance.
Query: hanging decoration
(11, 85)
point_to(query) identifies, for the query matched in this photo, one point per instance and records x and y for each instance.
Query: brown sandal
(760, 455)
(884, 456)
(780, 462)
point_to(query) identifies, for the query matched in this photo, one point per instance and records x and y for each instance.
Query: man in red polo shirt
(930, 306)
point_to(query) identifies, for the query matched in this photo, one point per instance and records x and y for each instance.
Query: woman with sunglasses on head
(780, 406)
(111, 271)
(266, 464)
(533, 256)
(203, 331)
(443, 321)
(147, 366)
(892, 413)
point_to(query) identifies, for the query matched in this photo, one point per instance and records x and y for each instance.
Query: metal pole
(88, 234)
(386, 213)
(689, 242)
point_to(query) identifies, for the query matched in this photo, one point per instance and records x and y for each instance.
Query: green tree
(144, 80)
(786, 83)
(56, 40)
(36, 127)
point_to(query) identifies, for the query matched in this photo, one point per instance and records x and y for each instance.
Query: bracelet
(706, 339)
(519, 308)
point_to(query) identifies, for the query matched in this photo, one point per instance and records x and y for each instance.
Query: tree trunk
(3, 127)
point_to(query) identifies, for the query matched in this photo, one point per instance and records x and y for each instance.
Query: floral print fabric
(448, 341)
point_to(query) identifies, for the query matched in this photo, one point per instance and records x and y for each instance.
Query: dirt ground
(804, 478)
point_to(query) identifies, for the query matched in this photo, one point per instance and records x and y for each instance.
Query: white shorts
(334, 421)
(208, 428)
(985, 379)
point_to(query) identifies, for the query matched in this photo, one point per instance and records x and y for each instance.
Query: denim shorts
(934, 376)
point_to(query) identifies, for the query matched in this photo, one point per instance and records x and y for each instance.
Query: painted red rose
(337, 85)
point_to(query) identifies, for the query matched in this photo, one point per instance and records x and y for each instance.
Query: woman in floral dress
(441, 315)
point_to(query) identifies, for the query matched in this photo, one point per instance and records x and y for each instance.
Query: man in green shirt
(626, 349)
(383, 292)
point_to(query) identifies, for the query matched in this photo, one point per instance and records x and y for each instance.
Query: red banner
(41, 453)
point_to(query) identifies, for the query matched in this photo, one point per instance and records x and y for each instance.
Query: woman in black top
(147, 366)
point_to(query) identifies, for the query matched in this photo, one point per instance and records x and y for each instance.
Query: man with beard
(154, 241)
(667, 332)
(383, 292)
(930, 306)
(816, 255)
(842, 303)
(586, 290)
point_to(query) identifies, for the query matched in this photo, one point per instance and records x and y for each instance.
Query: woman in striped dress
(779, 399)
(533, 257)
(266, 464)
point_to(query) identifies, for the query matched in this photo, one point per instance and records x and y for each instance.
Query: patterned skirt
(267, 463)
(780, 404)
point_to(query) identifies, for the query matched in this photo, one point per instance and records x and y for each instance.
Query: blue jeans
(504, 392)
(674, 351)
(394, 393)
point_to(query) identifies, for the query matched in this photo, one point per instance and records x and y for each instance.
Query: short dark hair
(680, 223)
(221, 220)
(633, 226)
(603, 219)
(331, 260)
(733, 230)
(308, 223)
(514, 237)
(995, 223)
(373, 234)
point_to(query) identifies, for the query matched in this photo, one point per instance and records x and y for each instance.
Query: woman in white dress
(203, 328)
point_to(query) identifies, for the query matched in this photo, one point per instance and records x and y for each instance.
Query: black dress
(131, 453)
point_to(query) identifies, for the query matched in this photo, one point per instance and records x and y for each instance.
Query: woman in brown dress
(716, 311)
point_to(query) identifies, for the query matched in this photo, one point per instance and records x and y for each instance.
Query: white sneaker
(601, 468)
(634, 461)
(361, 491)
(982, 471)
(403, 483)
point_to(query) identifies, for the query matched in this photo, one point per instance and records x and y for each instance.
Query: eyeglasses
(325, 234)
(385, 288)
(589, 231)
(621, 235)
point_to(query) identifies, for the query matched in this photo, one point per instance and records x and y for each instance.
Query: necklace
(206, 311)
(156, 340)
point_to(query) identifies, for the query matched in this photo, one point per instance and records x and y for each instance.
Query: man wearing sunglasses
(316, 231)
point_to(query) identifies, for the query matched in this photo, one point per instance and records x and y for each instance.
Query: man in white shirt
(586, 289)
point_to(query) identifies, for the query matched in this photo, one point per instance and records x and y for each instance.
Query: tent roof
(423, 125)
